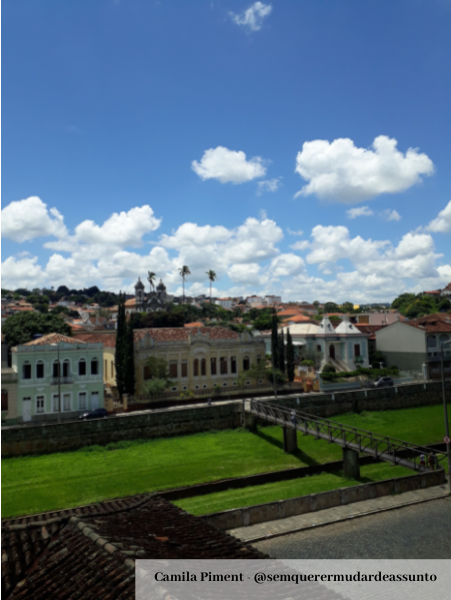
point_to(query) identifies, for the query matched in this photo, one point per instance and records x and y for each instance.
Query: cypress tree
(282, 365)
(120, 351)
(274, 341)
(129, 378)
(290, 357)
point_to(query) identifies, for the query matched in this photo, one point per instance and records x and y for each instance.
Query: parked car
(97, 413)
(382, 382)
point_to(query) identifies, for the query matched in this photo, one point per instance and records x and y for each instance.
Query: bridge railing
(379, 446)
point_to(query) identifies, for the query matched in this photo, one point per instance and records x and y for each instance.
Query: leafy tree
(154, 387)
(282, 365)
(129, 380)
(263, 322)
(331, 307)
(121, 347)
(444, 305)
(158, 381)
(63, 290)
(347, 307)
(274, 341)
(22, 327)
(290, 357)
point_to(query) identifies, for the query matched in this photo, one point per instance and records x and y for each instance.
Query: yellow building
(108, 339)
(198, 358)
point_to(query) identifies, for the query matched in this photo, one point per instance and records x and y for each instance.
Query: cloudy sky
(294, 146)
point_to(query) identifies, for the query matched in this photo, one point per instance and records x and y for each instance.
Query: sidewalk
(270, 529)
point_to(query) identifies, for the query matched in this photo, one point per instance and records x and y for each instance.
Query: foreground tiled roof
(89, 552)
(181, 334)
(53, 338)
(195, 324)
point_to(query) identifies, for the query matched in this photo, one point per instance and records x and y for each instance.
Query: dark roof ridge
(104, 544)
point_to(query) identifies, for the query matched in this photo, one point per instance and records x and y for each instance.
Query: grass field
(282, 490)
(38, 483)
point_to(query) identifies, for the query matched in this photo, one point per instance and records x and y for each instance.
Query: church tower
(139, 292)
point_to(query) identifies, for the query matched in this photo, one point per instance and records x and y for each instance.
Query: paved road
(417, 531)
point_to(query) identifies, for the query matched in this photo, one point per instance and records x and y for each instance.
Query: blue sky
(141, 135)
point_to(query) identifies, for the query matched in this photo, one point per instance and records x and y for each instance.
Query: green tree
(347, 307)
(129, 378)
(151, 278)
(274, 341)
(263, 322)
(290, 357)
(282, 365)
(331, 307)
(22, 327)
(121, 346)
(184, 272)
(211, 276)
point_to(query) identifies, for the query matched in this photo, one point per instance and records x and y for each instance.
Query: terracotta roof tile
(107, 339)
(52, 338)
(180, 334)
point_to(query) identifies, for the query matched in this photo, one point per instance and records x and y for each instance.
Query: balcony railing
(62, 380)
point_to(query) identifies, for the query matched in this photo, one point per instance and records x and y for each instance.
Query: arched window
(203, 367)
(66, 368)
(26, 370)
(246, 363)
(94, 366)
(82, 366)
(55, 369)
(40, 369)
(196, 367)
(432, 342)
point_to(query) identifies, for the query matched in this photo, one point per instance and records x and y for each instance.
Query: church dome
(139, 284)
(161, 285)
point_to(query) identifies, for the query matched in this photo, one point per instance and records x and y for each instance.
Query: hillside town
(193, 349)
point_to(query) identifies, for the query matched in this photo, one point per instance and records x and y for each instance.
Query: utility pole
(59, 384)
(445, 409)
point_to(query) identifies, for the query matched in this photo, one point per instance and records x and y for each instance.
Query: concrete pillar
(249, 421)
(351, 465)
(290, 440)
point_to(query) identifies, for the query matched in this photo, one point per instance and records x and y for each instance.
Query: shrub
(394, 370)
(329, 369)
(307, 363)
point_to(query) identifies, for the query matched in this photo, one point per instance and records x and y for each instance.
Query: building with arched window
(55, 374)
(198, 358)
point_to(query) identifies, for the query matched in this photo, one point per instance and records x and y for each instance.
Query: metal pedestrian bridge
(397, 452)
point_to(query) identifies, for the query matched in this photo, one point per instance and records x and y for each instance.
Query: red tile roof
(436, 323)
(90, 552)
(52, 338)
(107, 339)
(194, 324)
(180, 334)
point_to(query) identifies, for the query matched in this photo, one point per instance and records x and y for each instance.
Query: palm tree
(211, 276)
(184, 272)
(151, 278)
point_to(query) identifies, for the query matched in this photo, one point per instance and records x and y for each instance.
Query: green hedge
(373, 373)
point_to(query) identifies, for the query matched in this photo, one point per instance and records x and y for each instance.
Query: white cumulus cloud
(341, 172)
(270, 185)
(24, 220)
(253, 17)
(442, 224)
(362, 211)
(228, 166)
(390, 215)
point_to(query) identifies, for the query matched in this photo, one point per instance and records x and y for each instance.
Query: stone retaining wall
(261, 513)
(41, 439)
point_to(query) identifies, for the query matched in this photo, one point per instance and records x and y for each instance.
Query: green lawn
(38, 483)
(422, 425)
(282, 490)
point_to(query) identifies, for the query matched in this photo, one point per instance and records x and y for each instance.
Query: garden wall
(271, 511)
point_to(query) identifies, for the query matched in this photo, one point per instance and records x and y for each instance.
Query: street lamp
(446, 411)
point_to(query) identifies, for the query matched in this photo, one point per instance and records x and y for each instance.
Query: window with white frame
(66, 368)
(82, 400)
(55, 369)
(94, 366)
(40, 401)
(66, 402)
(55, 402)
